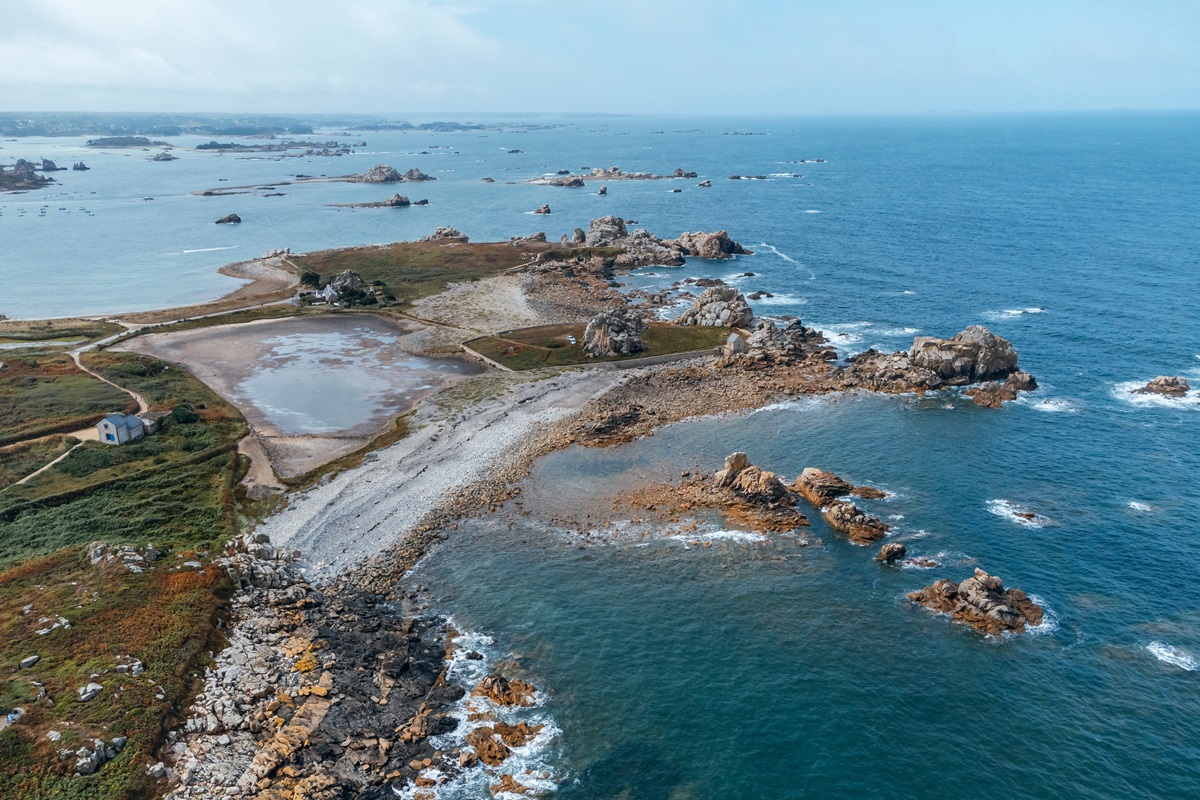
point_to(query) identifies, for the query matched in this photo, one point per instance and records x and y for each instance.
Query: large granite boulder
(380, 173)
(982, 602)
(751, 483)
(415, 175)
(709, 245)
(348, 281)
(821, 488)
(787, 343)
(606, 232)
(1169, 385)
(974, 355)
(861, 528)
(718, 305)
(616, 332)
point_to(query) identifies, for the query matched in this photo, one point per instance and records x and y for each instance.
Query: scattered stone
(89, 692)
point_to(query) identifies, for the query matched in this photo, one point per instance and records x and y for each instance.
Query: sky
(617, 56)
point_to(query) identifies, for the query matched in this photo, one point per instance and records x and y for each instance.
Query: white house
(120, 428)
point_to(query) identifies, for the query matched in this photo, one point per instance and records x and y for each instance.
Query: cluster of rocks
(89, 759)
(445, 235)
(718, 306)
(382, 173)
(1168, 385)
(826, 491)
(565, 178)
(615, 332)
(133, 559)
(644, 249)
(708, 245)
(789, 343)
(975, 355)
(164, 155)
(348, 281)
(395, 201)
(22, 176)
(982, 602)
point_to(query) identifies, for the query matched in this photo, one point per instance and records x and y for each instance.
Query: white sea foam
(1049, 623)
(782, 255)
(529, 764)
(908, 291)
(1127, 391)
(1014, 512)
(1012, 313)
(741, 537)
(1174, 656)
(211, 249)
(1055, 405)
(782, 300)
(812, 211)
(1137, 505)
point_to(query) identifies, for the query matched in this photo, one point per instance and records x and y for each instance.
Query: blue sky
(698, 56)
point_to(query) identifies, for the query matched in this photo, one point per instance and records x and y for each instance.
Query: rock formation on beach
(982, 602)
(973, 356)
(229, 219)
(1169, 385)
(616, 332)
(718, 305)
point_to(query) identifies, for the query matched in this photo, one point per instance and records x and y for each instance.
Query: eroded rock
(1169, 385)
(616, 332)
(982, 602)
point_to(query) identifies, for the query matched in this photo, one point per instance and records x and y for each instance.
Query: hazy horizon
(766, 58)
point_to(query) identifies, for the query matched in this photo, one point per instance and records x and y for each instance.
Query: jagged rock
(578, 236)
(787, 344)
(709, 245)
(544, 209)
(679, 173)
(229, 219)
(348, 281)
(445, 234)
(606, 232)
(821, 488)
(861, 528)
(643, 249)
(89, 692)
(603, 191)
(760, 487)
(1169, 385)
(974, 355)
(892, 552)
(507, 784)
(164, 156)
(617, 332)
(80, 166)
(705, 184)
(50, 166)
(982, 602)
(504, 692)
(491, 751)
(719, 305)
(734, 464)
(380, 173)
(156, 771)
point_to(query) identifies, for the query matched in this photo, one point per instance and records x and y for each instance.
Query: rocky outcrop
(974, 355)
(602, 191)
(505, 692)
(821, 488)
(544, 209)
(616, 332)
(229, 219)
(88, 760)
(982, 602)
(348, 281)
(79, 166)
(892, 552)
(644, 249)
(708, 245)
(750, 482)
(395, 201)
(163, 155)
(382, 173)
(21, 177)
(1169, 385)
(863, 529)
(606, 232)
(787, 344)
(445, 235)
(50, 166)
(719, 305)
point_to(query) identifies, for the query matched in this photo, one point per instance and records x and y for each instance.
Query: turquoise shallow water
(766, 669)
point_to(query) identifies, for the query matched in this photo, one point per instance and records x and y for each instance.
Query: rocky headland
(22, 176)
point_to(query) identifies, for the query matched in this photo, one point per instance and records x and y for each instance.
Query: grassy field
(164, 618)
(38, 331)
(234, 317)
(412, 270)
(18, 460)
(43, 392)
(549, 345)
(177, 489)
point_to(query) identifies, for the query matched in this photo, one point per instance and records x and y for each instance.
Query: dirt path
(260, 474)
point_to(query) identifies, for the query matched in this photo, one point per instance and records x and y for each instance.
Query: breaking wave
(1174, 656)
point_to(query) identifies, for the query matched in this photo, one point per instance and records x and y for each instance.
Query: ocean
(755, 667)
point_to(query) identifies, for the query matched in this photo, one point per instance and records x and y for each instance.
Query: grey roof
(122, 420)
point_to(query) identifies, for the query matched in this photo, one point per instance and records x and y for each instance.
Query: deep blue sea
(758, 668)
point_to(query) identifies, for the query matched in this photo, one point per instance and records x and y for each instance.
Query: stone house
(120, 428)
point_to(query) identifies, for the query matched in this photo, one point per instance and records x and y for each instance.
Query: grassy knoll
(18, 460)
(412, 270)
(165, 618)
(35, 332)
(176, 489)
(44, 392)
(549, 345)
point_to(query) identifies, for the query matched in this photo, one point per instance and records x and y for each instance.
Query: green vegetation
(165, 618)
(46, 393)
(412, 270)
(18, 460)
(177, 488)
(277, 311)
(549, 345)
(39, 331)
